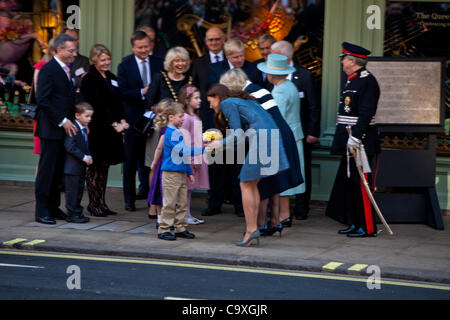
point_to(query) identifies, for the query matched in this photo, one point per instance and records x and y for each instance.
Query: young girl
(189, 96)
(175, 169)
(155, 193)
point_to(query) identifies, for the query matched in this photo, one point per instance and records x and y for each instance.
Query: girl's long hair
(185, 95)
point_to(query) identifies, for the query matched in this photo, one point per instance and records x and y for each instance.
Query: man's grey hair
(283, 47)
(61, 39)
(266, 37)
(359, 61)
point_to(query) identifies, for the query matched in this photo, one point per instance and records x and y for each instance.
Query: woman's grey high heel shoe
(254, 236)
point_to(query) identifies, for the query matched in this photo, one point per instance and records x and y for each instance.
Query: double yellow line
(224, 268)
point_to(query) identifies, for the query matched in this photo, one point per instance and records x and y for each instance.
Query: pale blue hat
(276, 64)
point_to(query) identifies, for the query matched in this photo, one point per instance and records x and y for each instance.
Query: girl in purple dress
(155, 193)
(192, 131)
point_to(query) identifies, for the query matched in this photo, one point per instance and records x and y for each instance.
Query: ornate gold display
(275, 21)
(186, 22)
(263, 20)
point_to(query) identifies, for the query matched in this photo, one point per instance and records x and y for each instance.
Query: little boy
(77, 158)
(175, 167)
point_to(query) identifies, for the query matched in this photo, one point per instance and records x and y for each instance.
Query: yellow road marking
(32, 243)
(330, 267)
(222, 268)
(356, 268)
(11, 243)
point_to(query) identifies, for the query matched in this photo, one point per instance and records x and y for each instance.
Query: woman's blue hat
(276, 64)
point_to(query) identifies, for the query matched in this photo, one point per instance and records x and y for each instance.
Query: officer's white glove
(353, 144)
(355, 149)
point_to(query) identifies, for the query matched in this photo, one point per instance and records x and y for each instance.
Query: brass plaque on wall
(411, 91)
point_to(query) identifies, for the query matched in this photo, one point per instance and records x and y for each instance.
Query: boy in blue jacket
(175, 167)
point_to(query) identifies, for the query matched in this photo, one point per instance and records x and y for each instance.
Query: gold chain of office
(169, 84)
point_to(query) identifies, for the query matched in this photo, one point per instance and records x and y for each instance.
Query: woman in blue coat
(266, 155)
(270, 187)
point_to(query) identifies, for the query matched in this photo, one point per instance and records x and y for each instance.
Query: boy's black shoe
(185, 234)
(166, 236)
(45, 220)
(77, 218)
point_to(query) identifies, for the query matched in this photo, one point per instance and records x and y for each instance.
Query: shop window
(421, 29)
(297, 21)
(25, 29)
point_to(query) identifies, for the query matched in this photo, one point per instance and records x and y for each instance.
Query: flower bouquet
(212, 135)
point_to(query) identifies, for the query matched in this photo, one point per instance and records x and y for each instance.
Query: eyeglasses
(214, 39)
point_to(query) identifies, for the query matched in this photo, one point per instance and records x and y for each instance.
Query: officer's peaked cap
(354, 50)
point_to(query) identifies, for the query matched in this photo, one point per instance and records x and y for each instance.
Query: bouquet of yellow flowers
(211, 135)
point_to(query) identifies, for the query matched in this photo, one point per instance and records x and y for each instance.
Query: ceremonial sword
(369, 193)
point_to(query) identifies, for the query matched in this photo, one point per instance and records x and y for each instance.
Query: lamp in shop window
(49, 21)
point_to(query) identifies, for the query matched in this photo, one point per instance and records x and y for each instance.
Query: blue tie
(85, 136)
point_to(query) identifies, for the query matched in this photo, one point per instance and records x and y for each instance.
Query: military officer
(349, 202)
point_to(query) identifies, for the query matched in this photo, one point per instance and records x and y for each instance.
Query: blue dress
(266, 155)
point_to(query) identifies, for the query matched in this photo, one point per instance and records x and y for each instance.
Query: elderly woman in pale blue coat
(285, 94)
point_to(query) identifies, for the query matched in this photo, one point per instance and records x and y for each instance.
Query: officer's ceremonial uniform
(349, 202)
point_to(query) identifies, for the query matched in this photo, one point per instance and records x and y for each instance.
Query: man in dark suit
(79, 67)
(310, 117)
(215, 39)
(134, 77)
(235, 58)
(56, 101)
